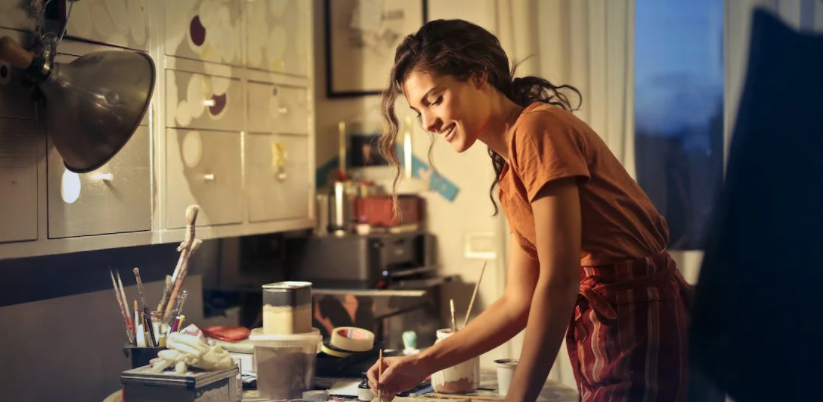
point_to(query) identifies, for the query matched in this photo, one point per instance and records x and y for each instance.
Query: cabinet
(124, 23)
(204, 168)
(277, 35)
(21, 139)
(13, 15)
(277, 179)
(230, 132)
(208, 30)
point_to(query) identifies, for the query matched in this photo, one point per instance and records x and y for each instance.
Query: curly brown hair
(461, 49)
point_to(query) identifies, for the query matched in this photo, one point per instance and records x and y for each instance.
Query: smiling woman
(588, 258)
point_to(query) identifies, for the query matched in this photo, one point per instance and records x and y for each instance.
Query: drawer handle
(208, 177)
(107, 177)
(283, 110)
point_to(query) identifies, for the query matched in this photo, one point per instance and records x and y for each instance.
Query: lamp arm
(14, 54)
(36, 67)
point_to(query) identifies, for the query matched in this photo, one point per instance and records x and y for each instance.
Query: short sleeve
(547, 148)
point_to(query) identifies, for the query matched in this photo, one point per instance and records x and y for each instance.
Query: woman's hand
(399, 374)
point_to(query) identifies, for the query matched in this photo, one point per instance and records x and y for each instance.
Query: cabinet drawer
(115, 22)
(204, 168)
(13, 15)
(277, 35)
(204, 30)
(15, 97)
(278, 109)
(19, 154)
(278, 183)
(203, 101)
(115, 198)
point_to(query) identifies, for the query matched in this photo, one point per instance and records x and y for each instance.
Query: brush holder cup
(460, 378)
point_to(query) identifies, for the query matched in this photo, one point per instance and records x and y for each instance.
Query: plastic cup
(505, 372)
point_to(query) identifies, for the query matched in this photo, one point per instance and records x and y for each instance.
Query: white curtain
(588, 44)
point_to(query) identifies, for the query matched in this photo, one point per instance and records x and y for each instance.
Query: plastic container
(505, 372)
(460, 378)
(286, 364)
(141, 385)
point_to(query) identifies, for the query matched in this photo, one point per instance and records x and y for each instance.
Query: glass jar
(461, 378)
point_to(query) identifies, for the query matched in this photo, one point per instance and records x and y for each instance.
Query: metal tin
(141, 385)
(287, 294)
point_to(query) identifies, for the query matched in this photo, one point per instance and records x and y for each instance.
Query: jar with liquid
(461, 378)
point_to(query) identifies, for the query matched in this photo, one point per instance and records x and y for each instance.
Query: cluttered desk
(289, 359)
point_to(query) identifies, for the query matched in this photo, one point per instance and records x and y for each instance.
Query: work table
(553, 391)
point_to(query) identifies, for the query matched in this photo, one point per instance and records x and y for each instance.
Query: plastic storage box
(141, 385)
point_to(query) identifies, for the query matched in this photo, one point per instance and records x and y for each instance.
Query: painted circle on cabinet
(70, 187)
(192, 148)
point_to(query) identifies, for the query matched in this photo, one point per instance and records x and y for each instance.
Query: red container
(377, 210)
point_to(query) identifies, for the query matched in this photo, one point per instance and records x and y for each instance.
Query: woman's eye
(438, 100)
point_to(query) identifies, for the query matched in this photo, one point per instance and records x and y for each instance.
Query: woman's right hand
(399, 374)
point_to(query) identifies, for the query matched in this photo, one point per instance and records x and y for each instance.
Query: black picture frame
(378, 74)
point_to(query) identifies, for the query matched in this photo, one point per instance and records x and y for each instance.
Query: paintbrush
(451, 305)
(124, 299)
(140, 289)
(166, 293)
(474, 294)
(122, 307)
(379, 374)
(186, 249)
(136, 319)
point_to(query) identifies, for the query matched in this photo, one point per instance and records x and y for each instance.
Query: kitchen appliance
(361, 261)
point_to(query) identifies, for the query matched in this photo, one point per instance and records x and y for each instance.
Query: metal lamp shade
(95, 103)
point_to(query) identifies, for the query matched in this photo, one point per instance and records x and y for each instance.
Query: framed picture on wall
(361, 37)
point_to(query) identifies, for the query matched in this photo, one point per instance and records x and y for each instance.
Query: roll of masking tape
(352, 339)
(330, 350)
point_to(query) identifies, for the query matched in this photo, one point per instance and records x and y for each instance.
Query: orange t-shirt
(618, 220)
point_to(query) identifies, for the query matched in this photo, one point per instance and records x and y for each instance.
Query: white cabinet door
(123, 23)
(204, 168)
(277, 35)
(277, 109)
(208, 30)
(116, 198)
(278, 182)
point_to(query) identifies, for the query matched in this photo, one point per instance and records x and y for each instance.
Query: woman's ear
(479, 79)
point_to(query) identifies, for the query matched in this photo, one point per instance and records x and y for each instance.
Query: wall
(451, 221)
(61, 333)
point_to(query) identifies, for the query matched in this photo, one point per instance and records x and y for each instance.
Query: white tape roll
(352, 339)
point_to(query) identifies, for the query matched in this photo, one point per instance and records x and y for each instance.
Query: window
(679, 111)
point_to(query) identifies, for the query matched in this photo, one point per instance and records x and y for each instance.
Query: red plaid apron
(627, 337)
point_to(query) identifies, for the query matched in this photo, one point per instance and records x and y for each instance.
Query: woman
(588, 250)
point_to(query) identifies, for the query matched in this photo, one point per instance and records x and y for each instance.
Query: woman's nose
(431, 123)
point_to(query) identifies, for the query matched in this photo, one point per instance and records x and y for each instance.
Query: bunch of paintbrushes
(174, 284)
(144, 330)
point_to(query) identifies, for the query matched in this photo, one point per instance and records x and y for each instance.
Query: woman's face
(457, 110)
